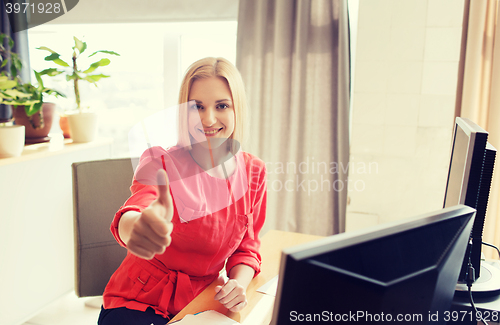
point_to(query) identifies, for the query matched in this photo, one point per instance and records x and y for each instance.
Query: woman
(181, 230)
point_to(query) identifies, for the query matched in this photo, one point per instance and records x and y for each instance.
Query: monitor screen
(404, 271)
(469, 178)
(466, 162)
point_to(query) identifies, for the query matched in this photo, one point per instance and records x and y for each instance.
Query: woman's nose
(207, 117)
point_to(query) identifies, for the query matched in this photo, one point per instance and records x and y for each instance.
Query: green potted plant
(82, 123)
(37, 114)
(25, 98)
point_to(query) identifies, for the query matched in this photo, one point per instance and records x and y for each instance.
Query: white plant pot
(11, 141)
(83, 126)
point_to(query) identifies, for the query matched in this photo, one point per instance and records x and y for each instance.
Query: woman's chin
(216, 142)
(210, 142)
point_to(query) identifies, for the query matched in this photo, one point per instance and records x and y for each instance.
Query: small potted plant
(11, 136)
(82, 123)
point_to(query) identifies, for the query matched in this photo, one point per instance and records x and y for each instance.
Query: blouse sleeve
(143, 189)
(248, 251)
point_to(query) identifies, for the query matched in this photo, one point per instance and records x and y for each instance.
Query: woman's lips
(211, 132)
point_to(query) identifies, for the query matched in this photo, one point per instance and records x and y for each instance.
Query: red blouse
(216, 222)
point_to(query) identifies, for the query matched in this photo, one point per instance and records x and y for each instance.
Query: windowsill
(57, 145)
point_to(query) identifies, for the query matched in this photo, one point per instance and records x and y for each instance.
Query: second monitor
(404, 271)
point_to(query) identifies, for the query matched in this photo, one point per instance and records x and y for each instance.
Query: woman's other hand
(232, 295)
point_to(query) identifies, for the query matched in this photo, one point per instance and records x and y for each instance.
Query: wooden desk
(272, 244)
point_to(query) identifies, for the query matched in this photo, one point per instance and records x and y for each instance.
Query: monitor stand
(487, 285)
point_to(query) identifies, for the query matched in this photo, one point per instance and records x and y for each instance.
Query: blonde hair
(206, 68)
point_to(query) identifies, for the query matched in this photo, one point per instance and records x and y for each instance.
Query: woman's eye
(223, 106)
(196, 106)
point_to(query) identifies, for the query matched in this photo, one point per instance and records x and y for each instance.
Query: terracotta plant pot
(64, 125)
(38, 134)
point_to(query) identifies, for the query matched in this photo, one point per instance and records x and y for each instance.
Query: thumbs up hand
(150, 233)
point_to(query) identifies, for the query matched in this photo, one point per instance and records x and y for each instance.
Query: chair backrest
(99, 189)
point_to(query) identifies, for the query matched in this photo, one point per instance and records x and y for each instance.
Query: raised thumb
(163, 188)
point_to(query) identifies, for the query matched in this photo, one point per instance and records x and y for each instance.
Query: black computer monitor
(469, 179)
(406, 269)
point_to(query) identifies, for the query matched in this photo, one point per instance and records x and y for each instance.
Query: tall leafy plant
(72, 72)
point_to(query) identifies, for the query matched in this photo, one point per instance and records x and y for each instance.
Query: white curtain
(480, 98)
(294, 59)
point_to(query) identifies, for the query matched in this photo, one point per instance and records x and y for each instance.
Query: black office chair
(99, 189)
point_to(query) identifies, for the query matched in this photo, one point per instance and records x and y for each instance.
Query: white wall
(36, 235)
(404, 86)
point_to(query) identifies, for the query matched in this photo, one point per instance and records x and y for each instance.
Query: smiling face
(211, 110)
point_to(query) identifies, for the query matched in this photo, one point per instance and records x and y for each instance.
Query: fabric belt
(177, 289)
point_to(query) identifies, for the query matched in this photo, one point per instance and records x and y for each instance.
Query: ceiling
(133, 11)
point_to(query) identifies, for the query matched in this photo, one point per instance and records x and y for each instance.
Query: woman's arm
(244, 264)
(248, 250)
(243, 274)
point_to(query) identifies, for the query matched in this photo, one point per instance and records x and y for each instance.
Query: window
(145, 78)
